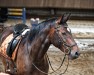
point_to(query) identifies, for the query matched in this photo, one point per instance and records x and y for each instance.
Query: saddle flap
(11, 47)
(8, 46)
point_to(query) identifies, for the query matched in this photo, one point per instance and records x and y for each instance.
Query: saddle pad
(4, 46)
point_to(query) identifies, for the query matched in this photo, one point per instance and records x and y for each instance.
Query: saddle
(8, 48)
(18, 32)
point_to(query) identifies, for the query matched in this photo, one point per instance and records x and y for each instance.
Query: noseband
(61, 41)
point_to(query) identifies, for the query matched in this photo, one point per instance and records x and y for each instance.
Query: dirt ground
(84, 65)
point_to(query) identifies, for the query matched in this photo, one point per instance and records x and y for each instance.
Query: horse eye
(64, 33)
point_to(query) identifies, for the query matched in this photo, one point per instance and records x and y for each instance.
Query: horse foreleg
(3, 65)
(8, 65)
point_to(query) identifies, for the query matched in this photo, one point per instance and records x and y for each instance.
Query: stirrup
(8, 70)
(14, 71)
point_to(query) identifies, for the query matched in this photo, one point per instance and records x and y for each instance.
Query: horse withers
(31, 51)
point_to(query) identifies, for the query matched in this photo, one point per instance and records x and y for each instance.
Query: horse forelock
(51, 20)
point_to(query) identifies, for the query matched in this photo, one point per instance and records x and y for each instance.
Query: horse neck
(44, 47)
(40, 44)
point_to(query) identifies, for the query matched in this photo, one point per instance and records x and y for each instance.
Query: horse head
(62, 38)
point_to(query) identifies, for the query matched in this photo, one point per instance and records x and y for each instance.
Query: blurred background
(81, 23)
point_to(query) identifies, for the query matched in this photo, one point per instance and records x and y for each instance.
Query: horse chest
(23, 65)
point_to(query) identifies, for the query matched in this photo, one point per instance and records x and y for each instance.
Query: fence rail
(15, 13)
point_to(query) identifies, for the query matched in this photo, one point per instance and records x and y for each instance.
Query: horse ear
(64, 18)
(59, 20)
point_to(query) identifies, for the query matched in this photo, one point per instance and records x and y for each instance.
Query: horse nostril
(77, 53)
(74, 55)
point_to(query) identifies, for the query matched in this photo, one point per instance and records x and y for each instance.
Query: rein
(54, 71)
(59, 66)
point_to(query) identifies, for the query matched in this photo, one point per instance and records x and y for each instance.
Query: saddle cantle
(19, 28)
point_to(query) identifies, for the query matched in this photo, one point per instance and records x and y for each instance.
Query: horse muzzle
(74, 55)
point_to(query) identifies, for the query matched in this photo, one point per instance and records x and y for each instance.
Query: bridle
(68, 47)
(62, 41)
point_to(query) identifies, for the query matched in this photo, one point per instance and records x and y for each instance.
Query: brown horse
(34, 45)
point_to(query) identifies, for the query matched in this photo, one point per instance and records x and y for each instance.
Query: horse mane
(48, 20)
(34, 31)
